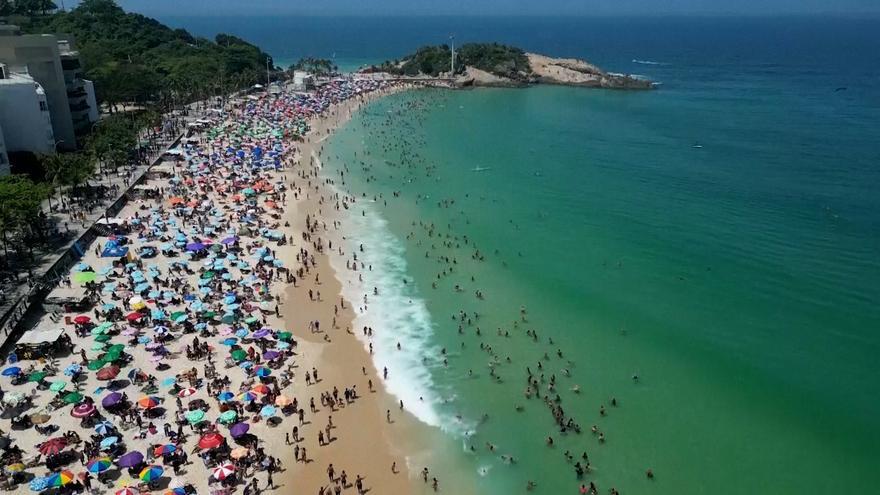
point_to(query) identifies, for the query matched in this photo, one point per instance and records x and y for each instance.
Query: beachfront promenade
(31, 283)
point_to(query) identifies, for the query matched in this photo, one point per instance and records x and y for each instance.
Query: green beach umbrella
(97, 346)
(116, 348)
(96, 364)
(105, 326)
(284, 335)
(102, 338)
(98, 331)
(239, 355)
(228, 319)
(228, 416)
(72, 398)
(195, 416)
(57, 386)
(208, 275)
(251, 319)
(84, 277)
(37, 376)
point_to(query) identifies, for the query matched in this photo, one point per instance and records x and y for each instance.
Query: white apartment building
(24, 114)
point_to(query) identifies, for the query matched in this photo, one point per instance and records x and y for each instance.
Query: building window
(44, 107)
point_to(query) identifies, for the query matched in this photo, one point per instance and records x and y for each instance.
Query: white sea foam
(648, 62)
(397, 315)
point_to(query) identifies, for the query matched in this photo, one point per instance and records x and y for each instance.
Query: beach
(214, 313)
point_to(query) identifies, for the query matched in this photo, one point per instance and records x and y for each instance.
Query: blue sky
(497, 7)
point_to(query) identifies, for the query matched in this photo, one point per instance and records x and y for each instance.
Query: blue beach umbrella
(12, 371)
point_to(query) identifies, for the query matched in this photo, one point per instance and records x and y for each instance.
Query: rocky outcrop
(574, 72)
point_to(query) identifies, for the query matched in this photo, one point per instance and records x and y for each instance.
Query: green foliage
(20, 210)
(495, 58)
(318, 66)
(132, 58)
(26, 7)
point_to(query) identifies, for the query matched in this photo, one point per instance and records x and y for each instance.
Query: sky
(494, 7)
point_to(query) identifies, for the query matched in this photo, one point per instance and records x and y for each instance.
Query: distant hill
(494, 64)
(131, 57)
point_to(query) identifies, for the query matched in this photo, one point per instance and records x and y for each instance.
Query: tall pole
(267, 74)
(452, 62)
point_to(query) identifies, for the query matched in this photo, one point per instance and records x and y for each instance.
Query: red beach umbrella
(82, 320)
(186, 392)
(53, 446)
(108, 373)
(134, 316)
(222, 472)
(211, 440)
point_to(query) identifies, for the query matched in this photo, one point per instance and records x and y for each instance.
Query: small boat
(697, 145)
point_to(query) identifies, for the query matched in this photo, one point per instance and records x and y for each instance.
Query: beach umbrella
(267, 411)
(186, 392)
(39, 484)
(83, 278)
(211, 441)
(97, 346)
(223, 471)
(195, 246)
(72, 369)
(40, 418)
(238, 453)
(270, 355)
(130, 459)
(111, 399)
(82, 320)
(225, 396)
(61, 478)
(238, 355)
(227, 417)
(103, 327)
(282, 401)
(151, 473)
(72, 398)
(128, 490)
(37, 376)
(260, 388)
(195, 416)
(52, 446)
(108, 373)
(58, 386)
(148, 402)
(109, 442)
(83, 410)
(116, 348)
(167, 382)
(12, 371)
(263, 372)
(164, 450)
(96, 364)
(14, 468)
(104, 427)
(102, 338)
(239, 429)
(229, 341)
(134, 316)
(99, 465)
(247, 397)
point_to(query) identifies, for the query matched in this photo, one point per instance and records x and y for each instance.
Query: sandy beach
(152, 390)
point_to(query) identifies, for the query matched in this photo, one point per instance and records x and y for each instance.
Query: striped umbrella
(151, 473)
(148, 402)
(83, 410)
(99, 465)
(128, 490)
(222, 472)
(186, 392)
(164, 449)
(61, 478)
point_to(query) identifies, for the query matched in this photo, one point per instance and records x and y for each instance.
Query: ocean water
(718, 237)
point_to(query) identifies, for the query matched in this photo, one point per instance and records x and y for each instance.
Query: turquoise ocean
(719, 237)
